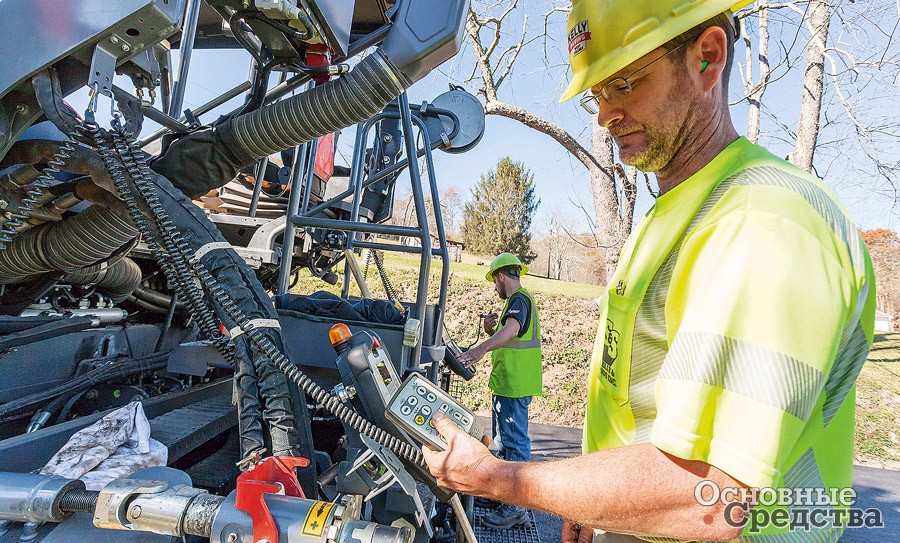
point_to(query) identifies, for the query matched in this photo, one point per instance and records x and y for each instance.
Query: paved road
(876, 488)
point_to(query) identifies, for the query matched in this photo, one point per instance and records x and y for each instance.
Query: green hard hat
(504, 260)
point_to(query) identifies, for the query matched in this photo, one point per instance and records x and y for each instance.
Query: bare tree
(851, 64)
(451, 207)
(819, 19)
(755, 91)
(613, 191)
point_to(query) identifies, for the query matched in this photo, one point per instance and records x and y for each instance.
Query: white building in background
(883, 322)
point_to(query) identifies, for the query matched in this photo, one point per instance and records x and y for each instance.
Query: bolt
(114, 39)
(21, 108)
(135, 511)
(232, 537)
(92, 394)
(4, 203)
(386, 160)
(388, 138)
(126, 47)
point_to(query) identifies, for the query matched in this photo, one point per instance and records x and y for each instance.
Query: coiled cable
(181, 264)
(36, 190)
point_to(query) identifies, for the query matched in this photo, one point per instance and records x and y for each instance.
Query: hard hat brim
(616, 60)
(490, 275)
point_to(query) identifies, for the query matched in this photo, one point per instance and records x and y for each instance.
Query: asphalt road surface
(875, 488)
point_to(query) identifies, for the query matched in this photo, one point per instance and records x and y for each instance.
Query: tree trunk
(811, 104)
(756, 91)
(611, 232)
(613, 213)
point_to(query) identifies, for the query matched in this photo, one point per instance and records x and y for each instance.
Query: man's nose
(610, 113)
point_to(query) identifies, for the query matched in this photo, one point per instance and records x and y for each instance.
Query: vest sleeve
(763, 303)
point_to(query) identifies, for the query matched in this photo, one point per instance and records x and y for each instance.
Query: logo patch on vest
(578, 37)
(610, 352)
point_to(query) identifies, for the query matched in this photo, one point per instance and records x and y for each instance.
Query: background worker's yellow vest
(516, 369)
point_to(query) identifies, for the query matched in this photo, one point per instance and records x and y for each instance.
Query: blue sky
(535, 84)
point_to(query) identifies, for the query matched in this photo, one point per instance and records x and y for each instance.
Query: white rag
(115, 446)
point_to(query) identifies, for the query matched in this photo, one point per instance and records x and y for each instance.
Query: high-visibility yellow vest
(733, 330)
(516, 370)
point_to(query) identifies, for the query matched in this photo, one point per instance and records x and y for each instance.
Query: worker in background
(733, 328)
(516, 373)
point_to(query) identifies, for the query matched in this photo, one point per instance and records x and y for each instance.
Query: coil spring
(187, 291)
(179, 271)
(388, 287)
(181, 253)
(79, 501)
(36, 190)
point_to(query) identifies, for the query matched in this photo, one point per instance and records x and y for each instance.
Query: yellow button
(431, 423)
(420, 420)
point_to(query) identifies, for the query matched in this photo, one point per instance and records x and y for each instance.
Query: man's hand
(473, 355)
(490, 322)
(466, 466)
(576, 533)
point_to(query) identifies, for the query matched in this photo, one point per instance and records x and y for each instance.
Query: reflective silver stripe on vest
(649, 342)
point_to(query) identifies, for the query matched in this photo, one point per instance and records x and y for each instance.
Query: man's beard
(663, 141)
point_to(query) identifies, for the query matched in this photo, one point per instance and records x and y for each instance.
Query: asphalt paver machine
(142, 266)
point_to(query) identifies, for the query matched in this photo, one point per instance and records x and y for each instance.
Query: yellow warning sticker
(314, 523)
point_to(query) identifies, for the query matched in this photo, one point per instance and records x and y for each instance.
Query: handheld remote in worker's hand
(413, 408)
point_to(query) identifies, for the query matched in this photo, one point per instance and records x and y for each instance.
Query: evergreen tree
(498, 219)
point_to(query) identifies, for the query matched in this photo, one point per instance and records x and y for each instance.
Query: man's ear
(708, 57)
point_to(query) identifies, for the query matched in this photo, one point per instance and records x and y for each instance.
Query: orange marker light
(338, 334)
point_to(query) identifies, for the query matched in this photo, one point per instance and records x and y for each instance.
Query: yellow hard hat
(504, 260)
(604, 36)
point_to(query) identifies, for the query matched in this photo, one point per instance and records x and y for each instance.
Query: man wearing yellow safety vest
(721, 398)
(516, 372)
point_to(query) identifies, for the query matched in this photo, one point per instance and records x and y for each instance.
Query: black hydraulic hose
(167, 324)
(99, 375)
(263, 394)
(156, 298)
(263, 342)
(345, 101)
(144, 305)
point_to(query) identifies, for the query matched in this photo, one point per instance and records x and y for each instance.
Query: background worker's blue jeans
(509, 427)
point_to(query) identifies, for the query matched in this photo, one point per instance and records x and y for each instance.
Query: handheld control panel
(413, 408)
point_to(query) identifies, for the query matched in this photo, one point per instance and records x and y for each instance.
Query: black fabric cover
(326, 304)
(200, 161)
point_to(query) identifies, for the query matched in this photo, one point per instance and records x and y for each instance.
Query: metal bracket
(112, 502)
(274, 475)
(103, 66)
(396, 472)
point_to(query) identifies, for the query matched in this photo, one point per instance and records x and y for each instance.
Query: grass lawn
(476, 272)
(878, 405)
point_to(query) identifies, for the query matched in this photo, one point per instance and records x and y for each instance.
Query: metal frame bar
(186, 49)
(355, 226)
(205, 108)
(435, 251)
(302, 173)
(307, 219)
